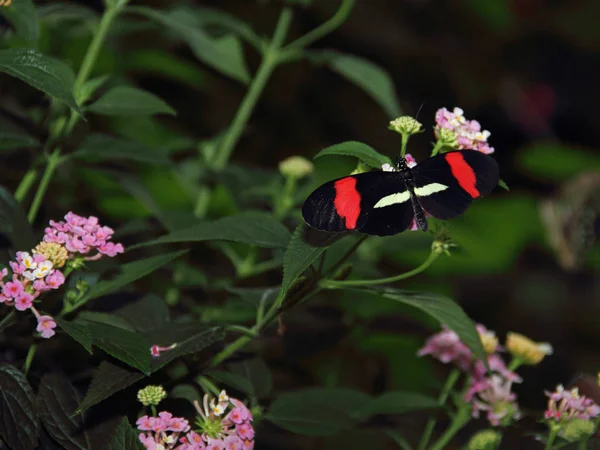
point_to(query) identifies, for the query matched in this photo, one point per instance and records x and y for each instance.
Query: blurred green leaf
(256, 371)
(495, 13)
(49, 75)
(227, 22)
(441, 308)
(56, 401)
(252, 228)
(125, 437)
(225, 54)
(22, 16)
(399, 439)
(129, 101)
(99, 147)
(556, 162)
(371, 78)
(19, 426)
(234, 380)
(106, 319)
(398, 402)
(317, 411)
(131, 272)
(108, 379)
(363, 152)
(78, 331)
(10, 141)
(304, 248)
(89, 88)
(56, 12)
(127, 346)
(503, 185)
(185, 391)
(14, 222)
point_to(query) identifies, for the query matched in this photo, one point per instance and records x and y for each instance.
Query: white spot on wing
(429, 189)
(393, 199)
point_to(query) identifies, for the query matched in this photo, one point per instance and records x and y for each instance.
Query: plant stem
(333, 284)
(437, 147)
(582, 445)
(347, 255)
(430, 426)
(269, 61)
(462, 417)
(551, 437)
(404, 144)
(230, 350)
(285, 200)
(8, 320)
(29, 358)
(53, 162)
(25, 185)
(514, 364)
(325, 28)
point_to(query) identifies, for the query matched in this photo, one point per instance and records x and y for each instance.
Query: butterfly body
(383, 203)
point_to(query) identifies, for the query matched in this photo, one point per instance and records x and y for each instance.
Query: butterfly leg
(419, 212)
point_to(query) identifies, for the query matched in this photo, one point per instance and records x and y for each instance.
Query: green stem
(404, 144)
(325, 28)
(346, 256)
(29, 358)
(208, 385)
(243, 330)
(463, 416)
(25, 185)
(437, 147)
(430, 426)
(230, 350)
(515, 364)
(551, 437)
(153, 410)
(582, 445)
(333, 284)
(269, 61)
(53, 162)
(285, 201)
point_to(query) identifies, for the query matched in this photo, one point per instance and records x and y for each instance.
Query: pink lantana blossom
(565, 405)
(23, 301)
(46, 325)
(162, 432)
(494, 396)
(447, 347)
(468, 132)
(12, 289)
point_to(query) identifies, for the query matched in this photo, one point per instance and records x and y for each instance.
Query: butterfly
(383, 203)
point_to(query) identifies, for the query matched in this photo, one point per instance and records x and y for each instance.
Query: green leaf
(256, 371)
(78, 331)
(556, 162)
(371, 78)
(56, 402)
(397, 403)
(127, 346)
(442, 309)
(107, 380)
(363, 152)
(399, 439)
(225, 54)
(254, 228)
(131, 272)
(305, 246)
(317, 411)
(503, 185)
(149, 313)
(105, 318)
(130, 101)
(100, 147)
(234, 380)
(227, 22)
(19, 426)
(10, 141)
(14, 222)
(124, 437)
(22, 16)
(89, 88)
(49, 75)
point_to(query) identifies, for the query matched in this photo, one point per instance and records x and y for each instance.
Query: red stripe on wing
(347, 201)
(463, 173)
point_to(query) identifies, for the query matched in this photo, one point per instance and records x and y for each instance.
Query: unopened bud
(447, 137)
(151, 395)
(296, 167)
(405, 125)
(484, 440)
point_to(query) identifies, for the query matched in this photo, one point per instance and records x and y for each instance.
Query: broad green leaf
(397, 402)
(55, 13)
(363, 152)
(131, 272)
(107, 380)
(49, 75)
(9, 141)
(14, 223)
(234, 380)
(444, 310)
(225, 54)
(151, 312)
(305, 246)
(19, 426)
(56, 402)
(371, 78)
(185, 391)
(254, 228)
(78, 331)
(22, 16)
(106, 319)
(125, 437)
(256, 371)
(227, 22)
(99, 147)
(127, 346)
(129, 101)
(317, 411)
(89, 88)
(556, 162)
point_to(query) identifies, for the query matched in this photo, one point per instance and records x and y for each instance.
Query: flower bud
(55, 253)
(526, 350)
(484, 440)
(447, 137)
(488, 340)
(82, 286)
(405, 125)
(296, 167)
(576, 429)
(151, 395)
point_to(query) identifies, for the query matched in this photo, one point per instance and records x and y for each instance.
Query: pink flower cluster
(488, 392)
(82, 235)
(565, 405)
(468, 132)
(219, 429)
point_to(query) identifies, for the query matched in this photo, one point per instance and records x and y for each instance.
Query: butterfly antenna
(419, 111)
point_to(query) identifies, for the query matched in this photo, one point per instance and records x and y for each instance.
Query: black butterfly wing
(446, 184)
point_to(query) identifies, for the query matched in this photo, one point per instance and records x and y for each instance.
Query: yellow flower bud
(405, 125)
(296, 167)
(526, 350)
(151, 395)
(489, 341)
(484, 440)
(55, 253)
